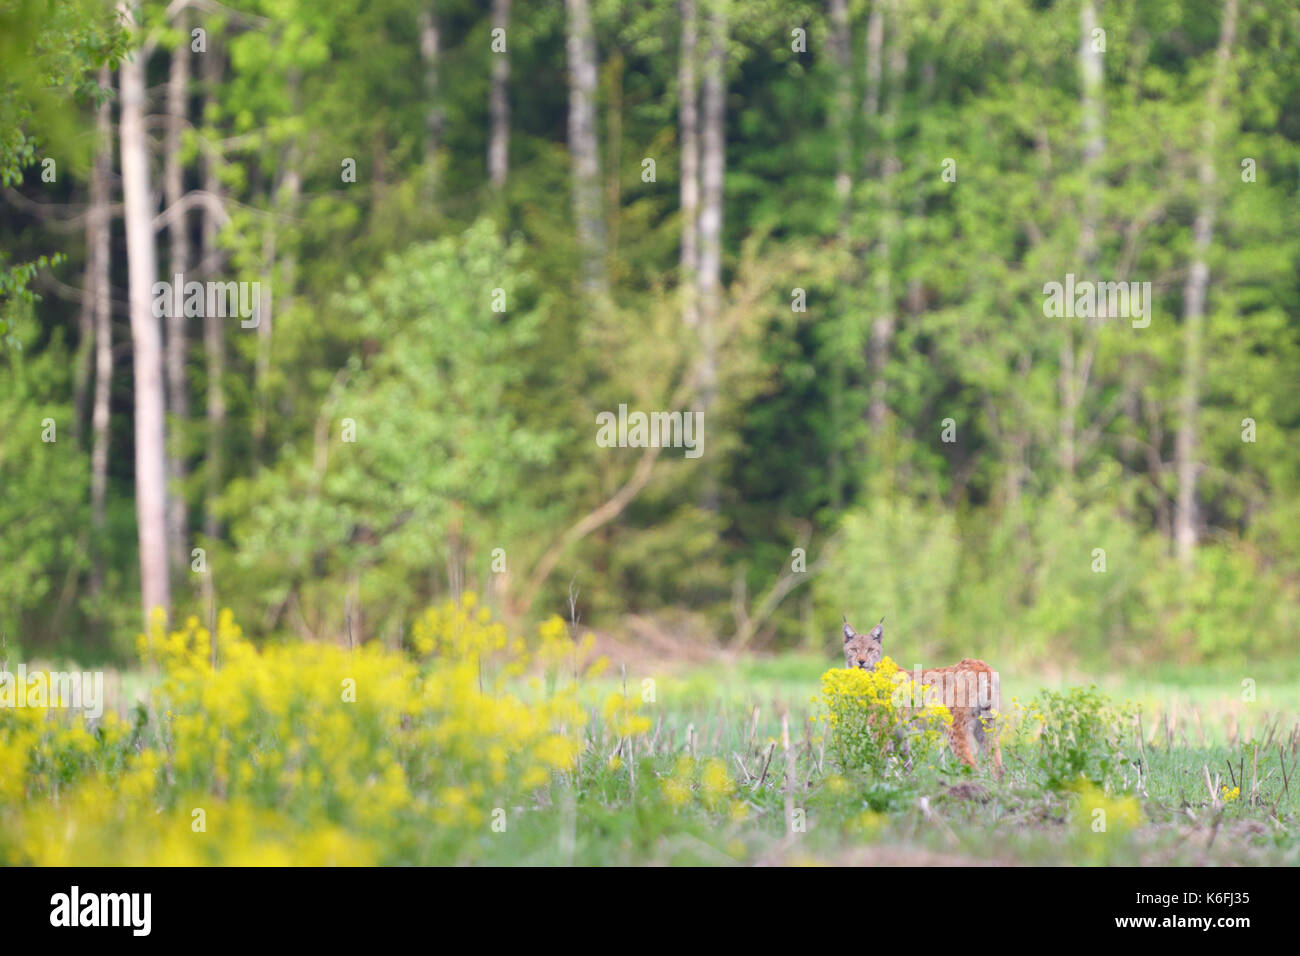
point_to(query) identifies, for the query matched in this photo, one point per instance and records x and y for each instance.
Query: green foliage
(1080, 734)
(49, 49)
(868, 578)
(42, 547)
(16, 299)
(475, 428)
(416, 444)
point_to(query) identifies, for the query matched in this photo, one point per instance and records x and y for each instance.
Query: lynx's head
(864, 650)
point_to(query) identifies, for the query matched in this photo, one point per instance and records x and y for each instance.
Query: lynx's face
(863, 650)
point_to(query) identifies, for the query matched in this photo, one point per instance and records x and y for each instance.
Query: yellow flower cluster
(1099, 812)
(459, 631)
(707, 780)
(38, 750)
(619, 715)
(866, 712)
(300, 753)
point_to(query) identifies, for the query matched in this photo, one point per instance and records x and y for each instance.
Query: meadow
(470, 745)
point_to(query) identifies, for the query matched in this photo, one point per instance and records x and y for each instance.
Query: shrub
(915, 586)
(1075, 734)
(867, 713)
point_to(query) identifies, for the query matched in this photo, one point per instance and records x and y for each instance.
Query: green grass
(623, 812)
(1193, 723)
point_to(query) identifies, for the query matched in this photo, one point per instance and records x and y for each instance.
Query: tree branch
(602, 515)
(195, 197)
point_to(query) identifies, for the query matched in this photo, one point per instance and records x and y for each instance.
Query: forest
(981, 315)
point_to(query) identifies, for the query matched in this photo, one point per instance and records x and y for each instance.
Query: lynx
(959, 688)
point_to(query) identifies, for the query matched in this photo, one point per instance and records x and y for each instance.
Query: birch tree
(688, 111)
(214, 342)
(430, 47)
(1194, 295)
(1075, 369)
(713, 170)
(146, 338)
(882, 326)
(499, 102)
(98, 247)
(583, 147)
(178, 400)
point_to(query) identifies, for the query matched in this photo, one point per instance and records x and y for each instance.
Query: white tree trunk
(214, 342)
(841, 123)
(178, 87)
(689, 119)
(842, 48)
(265, 319)
(1194, 294)
(98, 248)
(882, 326)
(874, 59)
(583, 147)
(499, 143)
(1072, 374)
(713, 143)
(874, 53)
(1092, 77)
(430, 42)
(146, 338)
(713, 171)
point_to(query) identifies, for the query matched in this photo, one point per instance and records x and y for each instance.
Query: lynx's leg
(961, 739)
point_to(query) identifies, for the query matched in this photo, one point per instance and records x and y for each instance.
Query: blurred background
(827, 226)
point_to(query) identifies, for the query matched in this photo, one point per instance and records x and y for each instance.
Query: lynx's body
(968, 689)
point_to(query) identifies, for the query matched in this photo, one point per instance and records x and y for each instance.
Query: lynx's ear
(878, 632)
(849, 633)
